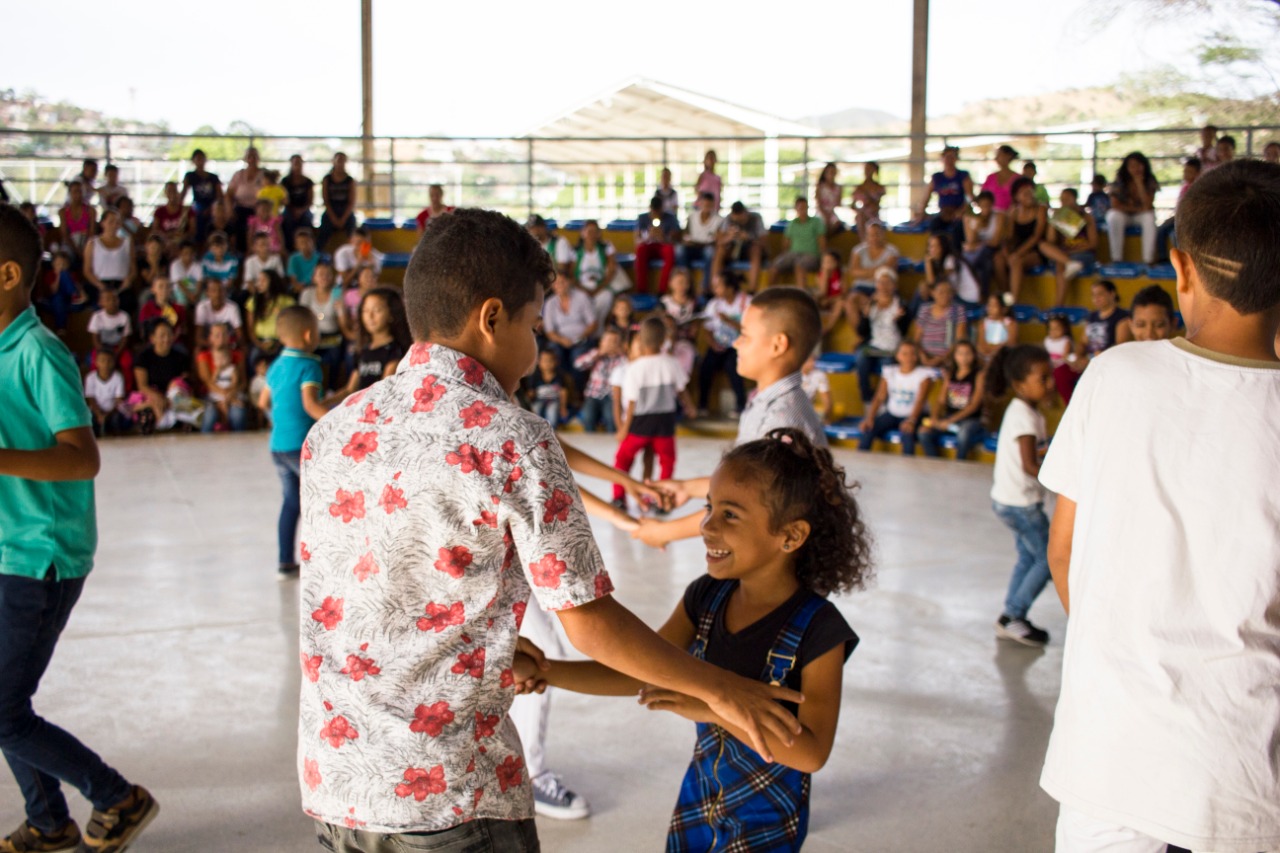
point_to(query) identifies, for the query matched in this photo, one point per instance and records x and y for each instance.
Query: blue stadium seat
(991, 443)
(1025, 313)
(1040, 269)
(625, 259)
(740, 266)
(395, 260)
(949, 440)
(779, 226)
(908, 265)
(1075, 316)
(893, 437)
(643, 302)
(1177, 320)
(621, 225)
(410, 225)
(975, 313)
(1161, 272)
(847, 429)
(378, 223)
(551, 225)
(837, 362)
(910, 228)
(574, 225)
(1133, 231)
(1122, 269)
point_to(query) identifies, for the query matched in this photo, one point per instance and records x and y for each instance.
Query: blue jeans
(332, 360)
(41, 755)
(597, 410)
(969, 434)
(548, 410)
(288, 468)
(693, 256)
(478, 836)
(1030, 528)
(884, 424)
(568, 355)
(237, 416)
(725, 361)
(870, 360)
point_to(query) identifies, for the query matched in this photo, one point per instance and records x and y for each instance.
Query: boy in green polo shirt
(48, 534)
(806, 243)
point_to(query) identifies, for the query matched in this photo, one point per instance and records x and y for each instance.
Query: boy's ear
(489, 315)
(10, 276)
(1189, 285)
(781, 344)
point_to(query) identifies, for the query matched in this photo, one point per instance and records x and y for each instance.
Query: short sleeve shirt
(431, 506)
(287, 376)
(302, 268)
(42, 524)
(207, 315)
(782, 404)
(804, 236)
(1011, 484)
(111, 329)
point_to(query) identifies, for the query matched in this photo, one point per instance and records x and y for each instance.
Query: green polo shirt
(804, 236)
(42, 524)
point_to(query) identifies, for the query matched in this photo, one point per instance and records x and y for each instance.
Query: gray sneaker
(552, 799)
(1021, 631)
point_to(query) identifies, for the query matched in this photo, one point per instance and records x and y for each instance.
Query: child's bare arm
(313, 404)
(264, 399)
(1027, 450)
(1060, 532)
(74, 456)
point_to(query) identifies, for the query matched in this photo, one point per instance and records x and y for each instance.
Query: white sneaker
(552, 799)
(1007, 299)
(1074, 268)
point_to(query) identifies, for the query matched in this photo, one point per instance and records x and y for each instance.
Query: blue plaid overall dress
(732, 800)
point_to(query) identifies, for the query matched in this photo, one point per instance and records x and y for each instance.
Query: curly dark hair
(799, 481)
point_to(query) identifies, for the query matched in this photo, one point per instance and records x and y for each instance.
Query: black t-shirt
(747, 652)
(162, 369)
(297, 189)
(339, 192)
(373, 362)
(204, 188)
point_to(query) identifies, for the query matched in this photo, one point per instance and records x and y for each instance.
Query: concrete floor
(180, 667)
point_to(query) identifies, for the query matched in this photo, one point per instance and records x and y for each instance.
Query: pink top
(709, 182)
(1002, 192)
(270, 227)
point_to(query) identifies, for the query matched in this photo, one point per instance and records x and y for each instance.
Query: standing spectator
(206, 194)
(557, 247)
(1208, 150)
(939, 324)
(302, 263)
(867, 197)
(435, 206)
(899, 400)
(300, 196)
(1108, 324)
(187, 274)
(597, 395)
(569, 324)
(870, 256)
(109, 262)
(698, 248)
(1133, 202)
(666, 192)
(172, 221)
(724, 323)
(88, 174)
(1073, 231)
(75, 223)
(1000, 182)
(216, 309)
(340, 195)
(111, 192)
(242, 197)
(829, 195)
(356, 255)
(958, 409)
(709, 181)
(804, 244)
(657, 234)
(272, 193)
(954, 187)
(596, 269)
(741, 240)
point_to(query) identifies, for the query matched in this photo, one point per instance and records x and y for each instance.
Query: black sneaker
(287, 572)
(28, 839)
(113, 830)
(147, 421)
(1021, 631)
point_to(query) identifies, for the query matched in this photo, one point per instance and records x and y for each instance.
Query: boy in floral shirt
(431, 506)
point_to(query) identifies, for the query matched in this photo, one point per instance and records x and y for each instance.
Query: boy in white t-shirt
(110, 326)
(104, 392)
(1164, 550)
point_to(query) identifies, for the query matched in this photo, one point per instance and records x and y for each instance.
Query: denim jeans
(548, 410)
(870, 360)
(884, 424)
(1030, 528)
(969, 434)
(237, 416)
(41, 755)
(693, 256)
(715, 362)
(288, 467)
(478, 836)
(597, 410)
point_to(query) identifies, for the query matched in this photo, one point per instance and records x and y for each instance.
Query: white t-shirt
(193, 272)
(229, 313)
(815, 382)
(697, 231)
(591, 268)
(1059, 349)
(885, 334)
(345, 260)
(1169, 715)
(903, 388)
(110, 328)
(560, 250)
(654, 382)
(888, 257)
(253, 265)
(104, 393)
(1011, 485)
(618, 375)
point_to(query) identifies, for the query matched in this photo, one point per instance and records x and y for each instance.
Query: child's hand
(621, 520)
(652, 533)
(648, 493)
(866, 424)
(693, 710)
(674, 494)
(526, 674)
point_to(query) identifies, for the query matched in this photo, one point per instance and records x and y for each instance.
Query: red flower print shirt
(431, 506)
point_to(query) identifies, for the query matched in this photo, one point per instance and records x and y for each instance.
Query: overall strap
(782, 657)
(708, 618)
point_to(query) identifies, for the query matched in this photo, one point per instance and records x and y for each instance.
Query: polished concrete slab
(180, 667)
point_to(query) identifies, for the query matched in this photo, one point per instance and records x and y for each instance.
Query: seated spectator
(264, 223)
(1190, 172)
(162, 375)
(111, 330)
(1151, 314)
(708, 180)
(104, 392)
(878, 322)
(225, 381)
(983, 237)
(596, 269)
(130, 224)
(325, 301)
(599, 365)
(206, 194)
(666, 192)
(899, 400)
(958, 409)
(352, 298)
(1098, 202)
(110, 192)
(75, 223)
(1207, 153)
(340, 194)
(1000, 182)
(300, 196)
(828, 196)
(1073, 232)
(1133, 200)
(741, 240)
(216, 309)
(998, 328)
(154, 263)
(268, 296)
(657, 234)
(1029, 171)
(302, 263)
(383, 339)
(557, 247)
(1025, 235)
(1064, 355)
(64, 293)
(622, 316)
(1271, 152)
(569, 324)
(869, 256)
(681, 307)
(830, 290)
(816, 385)
(724, 323)
(261, 260)
(546, 390)
(1226, 148)
(803, 245)
(435, 206)
(942, 263)
(274, 194)
(939, 325)
(109, 262)
(698, 248)
(1108, 324)
(866, 198)
(357, 254)
(172, 221)
(221, 264)
(161, 306)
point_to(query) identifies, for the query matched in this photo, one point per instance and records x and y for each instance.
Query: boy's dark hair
(468, 257)
(801, 200)
(797, 315)
(295, 320)
(362, 231)
(1193, 162)
(1018, 184)
(1107, 285)
(187, 243)
(707, 196)
(655, 204)
(1098, 179)
(950, 365)
(399, 322)
(1153, 295)
(265, 303)
(653, 333)
(951, 149)
(304, 231)
(89, 161)
(799, 481)
(111, 167)
(1031, 163)
(1075, 193)
(1229, 224)
(217, 238)
(1230, 140)
(987, 194)
(20, 243)
(1008, 365)
(737, 207)
(199, 152)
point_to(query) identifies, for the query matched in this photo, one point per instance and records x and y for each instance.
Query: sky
(502, 68)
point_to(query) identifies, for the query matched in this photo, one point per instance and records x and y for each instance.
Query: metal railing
(598, 178)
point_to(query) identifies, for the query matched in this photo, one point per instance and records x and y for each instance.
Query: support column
(367, 156)
(919, 85)
(769, 189)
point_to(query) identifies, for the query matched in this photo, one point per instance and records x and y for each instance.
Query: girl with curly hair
(783, 532)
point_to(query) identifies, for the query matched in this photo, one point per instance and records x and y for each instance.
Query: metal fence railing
(600, 178)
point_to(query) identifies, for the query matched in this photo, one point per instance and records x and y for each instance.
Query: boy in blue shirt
(295, 381)
(48, 534)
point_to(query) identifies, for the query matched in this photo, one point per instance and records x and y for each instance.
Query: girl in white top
(1024, 373)
(998, 328)
(902, 394)
(108, 258)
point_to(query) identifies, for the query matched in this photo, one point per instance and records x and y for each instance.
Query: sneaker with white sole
(552, 799)
(1021, 631)
(1074, 268)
